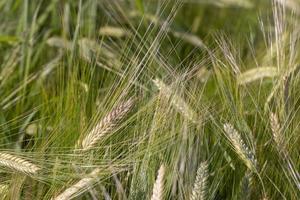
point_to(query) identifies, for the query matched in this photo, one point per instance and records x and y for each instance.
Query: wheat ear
(278, 138)
(158, 187)
(179, 104)
(3, 190)
(275, 126)
(18, 164)
(240, 147)
(107, 124)
(78, 187)
(199, 190)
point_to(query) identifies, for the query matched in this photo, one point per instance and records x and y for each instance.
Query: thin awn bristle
(240, 147)
(179, 104)
(199, 190)
(18, 164)
(158, 187)
(107, 124)
(78, 187)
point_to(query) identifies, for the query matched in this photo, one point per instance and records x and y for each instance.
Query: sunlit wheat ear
(179, 104)
(199, 190)
(78, 187)
(157, 193)
(275, 126)
(107, 124)
(240, 147)
(3, 190)
(18, 164)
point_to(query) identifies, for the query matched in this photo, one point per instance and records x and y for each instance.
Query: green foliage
(191, 67)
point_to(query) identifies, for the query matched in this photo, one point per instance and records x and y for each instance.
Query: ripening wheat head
(3, 189)
(275, 129)
(240, 147)
(78, 187)
(278, 138)
(107, 124)
(18, 164)
(158, 187)
(178, 103)
(199, 190)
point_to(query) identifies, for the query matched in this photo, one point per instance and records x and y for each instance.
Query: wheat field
(149, 99)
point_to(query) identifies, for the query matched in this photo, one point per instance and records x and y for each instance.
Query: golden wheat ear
(107, 124)
(18, 164)
(240, 147)
(199, 190)
(275, 126)
(158, 187)
(3, 190)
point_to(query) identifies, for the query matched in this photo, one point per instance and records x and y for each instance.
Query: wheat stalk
(107, 124)
(78, 187)
(240, 147)
(18, 164)
(158, 187)
(199, 190)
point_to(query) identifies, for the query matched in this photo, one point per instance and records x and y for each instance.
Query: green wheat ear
(240, 147)
(178, 103)
(107, 124)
